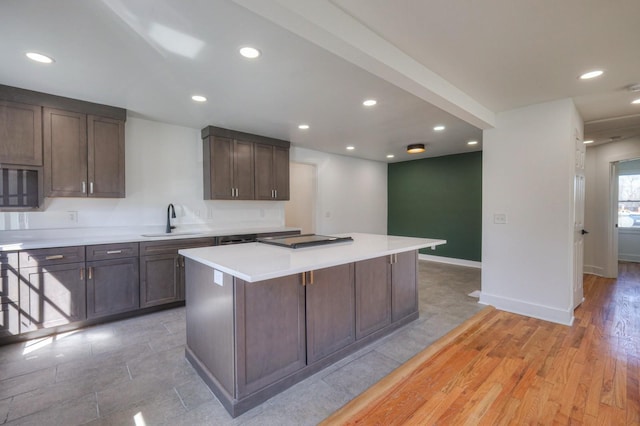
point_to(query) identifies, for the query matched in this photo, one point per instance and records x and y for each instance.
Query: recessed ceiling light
(199, 98)
(38, 57)
(369, 102)
(415, 148)
(390, 155)
(636, 101)
(303, 126)
(439, 128)
(472, 143)
(249, 52)
(588, 141)
(351, 148)
(591, 74)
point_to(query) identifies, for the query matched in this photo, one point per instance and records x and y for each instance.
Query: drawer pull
(54, 257)
(114, 251)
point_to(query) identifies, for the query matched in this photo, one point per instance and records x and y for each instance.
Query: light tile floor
(133, 372)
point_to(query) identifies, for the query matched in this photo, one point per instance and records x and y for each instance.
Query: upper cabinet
(20, 134)
(243, 166)
(84, 155)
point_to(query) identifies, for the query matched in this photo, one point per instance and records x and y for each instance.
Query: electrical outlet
(72, 216)
(500, 218)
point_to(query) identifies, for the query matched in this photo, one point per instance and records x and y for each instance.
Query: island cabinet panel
(373, 295)
(270, 331)
(210, 331)
(9, 295)
(404, 285)
(112, 287)
(20, 133)
(330, 300)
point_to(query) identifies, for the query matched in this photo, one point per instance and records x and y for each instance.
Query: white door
(299, 211)
(578, 223)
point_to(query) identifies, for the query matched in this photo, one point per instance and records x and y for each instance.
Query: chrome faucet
(171, 213)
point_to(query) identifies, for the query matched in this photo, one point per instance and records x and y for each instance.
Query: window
(629, 201)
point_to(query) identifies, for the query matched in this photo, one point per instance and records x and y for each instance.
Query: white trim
(595, 270)
(629, 257)
(450, 260)
(547, 313)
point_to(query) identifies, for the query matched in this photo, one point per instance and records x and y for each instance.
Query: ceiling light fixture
(351, 148)
(303, 126)
(38, 57)
(588, 141)
(439, 128)
(415, 148)
(591, 74)
(199, 98)
(472, 143)
(369, 102)
(390, 155)
(636, 101)
(249, 52)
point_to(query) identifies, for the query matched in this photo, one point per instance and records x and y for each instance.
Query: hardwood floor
(501, 368)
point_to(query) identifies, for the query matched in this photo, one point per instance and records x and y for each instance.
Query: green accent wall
(440, 198)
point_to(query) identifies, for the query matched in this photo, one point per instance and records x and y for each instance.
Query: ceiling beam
(330, 27)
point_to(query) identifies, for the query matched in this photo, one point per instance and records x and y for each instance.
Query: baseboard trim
(594, 270)
(629, 257)
(547, 313)
(450, 260)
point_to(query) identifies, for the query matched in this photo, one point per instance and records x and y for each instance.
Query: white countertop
(256, 261)
(34, 239)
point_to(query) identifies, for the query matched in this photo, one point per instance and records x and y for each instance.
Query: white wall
(164, 165)
(599, 244)
(352, 193)
(528, 168)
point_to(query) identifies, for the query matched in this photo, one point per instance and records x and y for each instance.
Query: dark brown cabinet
(270, 331)
(330, 294)
(404, 285)
(373, 295)
(52, 287)
(20, 133)
(228, 169)
(84, 155)
(271, 172)
(162, 270)
(243, 166)
(112, 279)
(9, 291)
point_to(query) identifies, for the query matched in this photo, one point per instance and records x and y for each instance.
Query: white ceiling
(451, 62)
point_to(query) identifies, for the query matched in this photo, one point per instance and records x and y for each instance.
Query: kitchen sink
(171, 235)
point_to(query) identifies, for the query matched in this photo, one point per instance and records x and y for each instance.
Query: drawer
(51, 256)
(148, 248)
(111, 251)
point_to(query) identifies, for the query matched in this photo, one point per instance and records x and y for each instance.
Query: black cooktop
(304, 240)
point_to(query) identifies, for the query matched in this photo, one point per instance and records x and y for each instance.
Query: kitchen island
(261, 318)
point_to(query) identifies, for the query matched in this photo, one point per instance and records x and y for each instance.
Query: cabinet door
(281, 172)
(264, 185)
(330, 295)
(160, 279)
(20, 134)
(270, 331)
(52, 295)
(404, 285)
(9, 299)
(243, 169)
(218, 168)
(65, 153)
(105, 157)
(112, 287)
(373, 295)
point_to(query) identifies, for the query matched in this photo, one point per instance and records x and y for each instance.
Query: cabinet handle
(54, 257)
(182, 262)
(310, 277)
(233, 192)
(90, 187)
(393, 258)
(84, 187)
(81, 273)
(90, 272)
(304, 278)
(237, 192)
(275, 192)
(114, 251)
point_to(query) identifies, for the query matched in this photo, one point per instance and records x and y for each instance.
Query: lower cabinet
(112, 287)
(404, 285)
(373, 295)
(52, 295)
(330, 306)
(9, 300)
